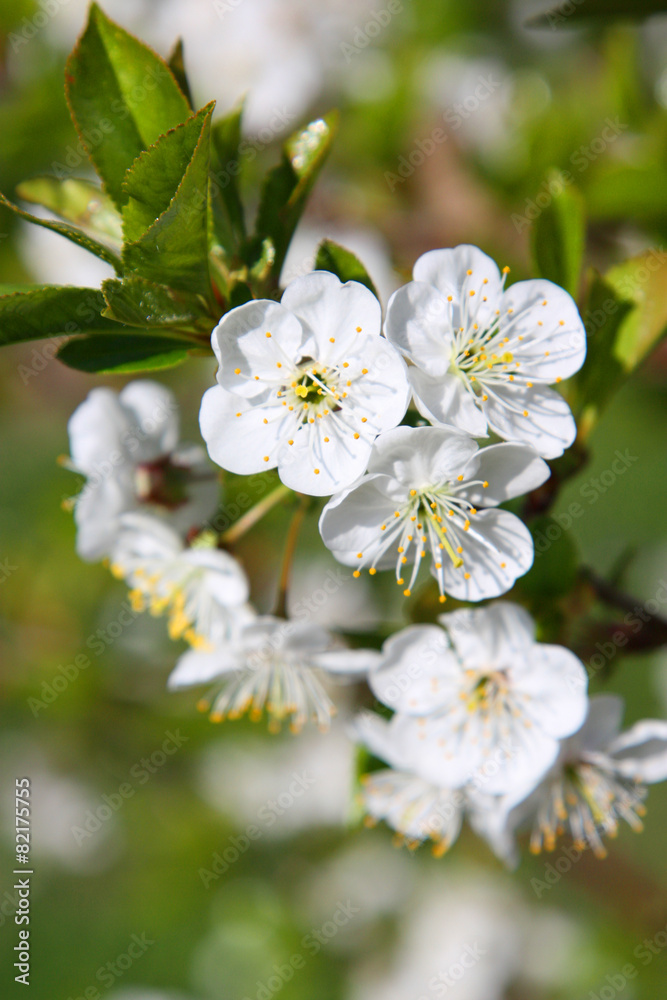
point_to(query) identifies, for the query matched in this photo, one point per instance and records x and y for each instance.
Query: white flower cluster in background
(487, 722)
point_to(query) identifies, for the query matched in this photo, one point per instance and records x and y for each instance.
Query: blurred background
(452, 115)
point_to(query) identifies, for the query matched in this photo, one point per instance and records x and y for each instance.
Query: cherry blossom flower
(202, 589)
(406, 796)
(484, 355)
(493, 704)
(305, 385)
(600, 778)
(126, 445)
(423, 493)
(273, 665)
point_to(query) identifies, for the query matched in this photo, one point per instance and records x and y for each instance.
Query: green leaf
(51, 311)
(343, 263)
(603, 373)
(643, 280)
(122, 96)
(121, 355)
(155, 176)
(625, 317)
(228, 215)
(288, 185)
(174, 250)
(558, 235)
(80, 202)
(69, 232)
(176, 64)
(571, 12)
(143, 304)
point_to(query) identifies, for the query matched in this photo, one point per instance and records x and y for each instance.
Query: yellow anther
(266, 458)
(237, 371)
(372, 571)
(356, 574)
(316, 471)
(268, 334)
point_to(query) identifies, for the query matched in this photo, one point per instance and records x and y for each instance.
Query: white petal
(226, 580)
(557, 347)
(354, 662)
(641, 752)
(318, 467)
(603, 722)
(415, 808)
(492, 635)
(555, 681)
(382, 396)
(351, 521)
(240, 341)
(539, 416)
(510, 470)
(497, 549)
(196, 667)
(447, 270)
(97, 511)
(153, 412)
(422, 456)
(148, 536)
(445, 400)
(96, 429)
(242, 444)
(418, 323)
(418, 673)
(329, 309)
(378, 735)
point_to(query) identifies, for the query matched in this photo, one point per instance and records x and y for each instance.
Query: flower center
(435, 519)
(314, 391)
(590, 801)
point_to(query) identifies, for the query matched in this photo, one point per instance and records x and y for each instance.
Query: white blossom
(493, 703)
(599, 778)
(408, 796)
(422, 495)
(304, 385)
(483, 356)
(126, 445)
(202, 589)
(275, 666)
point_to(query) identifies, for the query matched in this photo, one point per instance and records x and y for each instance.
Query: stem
(288, 555)
(255, 514)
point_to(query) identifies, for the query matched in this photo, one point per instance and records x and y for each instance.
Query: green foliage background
(213, 944)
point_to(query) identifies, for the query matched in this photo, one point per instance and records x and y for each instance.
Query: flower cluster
(487, 723)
